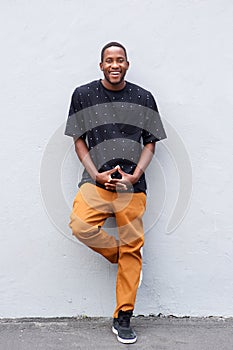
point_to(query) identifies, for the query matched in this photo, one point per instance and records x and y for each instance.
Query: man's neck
(113, 87)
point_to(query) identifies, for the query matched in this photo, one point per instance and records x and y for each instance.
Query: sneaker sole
(126, 341)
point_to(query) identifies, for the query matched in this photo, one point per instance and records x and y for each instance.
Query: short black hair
(112, 43)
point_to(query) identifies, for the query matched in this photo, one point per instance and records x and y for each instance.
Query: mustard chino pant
(92, 206)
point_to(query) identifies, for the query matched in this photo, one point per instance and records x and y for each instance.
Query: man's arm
(84, 156)
(144, 160)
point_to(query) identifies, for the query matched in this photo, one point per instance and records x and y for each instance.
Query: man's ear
(101, 66)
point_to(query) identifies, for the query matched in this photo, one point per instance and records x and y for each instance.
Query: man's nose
(115, 64)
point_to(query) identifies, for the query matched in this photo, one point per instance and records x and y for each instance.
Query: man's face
(114, 66)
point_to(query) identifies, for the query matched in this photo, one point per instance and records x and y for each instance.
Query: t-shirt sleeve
(75, 122)
(153, 128)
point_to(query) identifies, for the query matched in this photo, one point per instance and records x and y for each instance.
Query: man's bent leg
(92, 206)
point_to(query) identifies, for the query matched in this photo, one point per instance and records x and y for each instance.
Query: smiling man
(115, 125)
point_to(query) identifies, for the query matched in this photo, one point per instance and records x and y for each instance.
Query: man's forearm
(84, 156)
(144, 160)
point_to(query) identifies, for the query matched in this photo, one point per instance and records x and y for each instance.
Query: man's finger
(111, 171)
(113, 181)
(109, 185)
(121, 187)
(120, 170)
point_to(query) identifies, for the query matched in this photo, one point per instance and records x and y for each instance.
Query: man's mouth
(115, 74)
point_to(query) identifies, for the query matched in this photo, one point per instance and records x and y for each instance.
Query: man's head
(114, 65)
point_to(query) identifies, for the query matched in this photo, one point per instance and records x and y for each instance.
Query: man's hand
(123, 184)
(105, 176)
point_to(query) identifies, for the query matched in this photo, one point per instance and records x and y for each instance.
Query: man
(115, 125)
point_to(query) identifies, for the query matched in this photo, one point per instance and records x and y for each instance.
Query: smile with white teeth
(115, 73)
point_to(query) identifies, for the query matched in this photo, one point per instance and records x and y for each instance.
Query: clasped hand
(114, 184)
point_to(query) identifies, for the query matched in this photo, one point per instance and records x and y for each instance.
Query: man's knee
(133, 246)
(82, 230)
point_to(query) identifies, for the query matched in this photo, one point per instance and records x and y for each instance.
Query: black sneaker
(121, 327)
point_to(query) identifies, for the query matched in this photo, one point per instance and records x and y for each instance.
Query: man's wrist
(135, 178)
(97, 176)
(94, 175)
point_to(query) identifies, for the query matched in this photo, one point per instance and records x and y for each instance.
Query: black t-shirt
(114, 124)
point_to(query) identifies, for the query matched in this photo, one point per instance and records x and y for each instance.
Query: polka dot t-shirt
(115, 125)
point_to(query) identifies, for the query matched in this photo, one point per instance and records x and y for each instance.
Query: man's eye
(109, 61)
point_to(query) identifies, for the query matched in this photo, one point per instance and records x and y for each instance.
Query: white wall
(180, 50)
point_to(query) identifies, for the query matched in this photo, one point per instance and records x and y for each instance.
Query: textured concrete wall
(182, 52)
